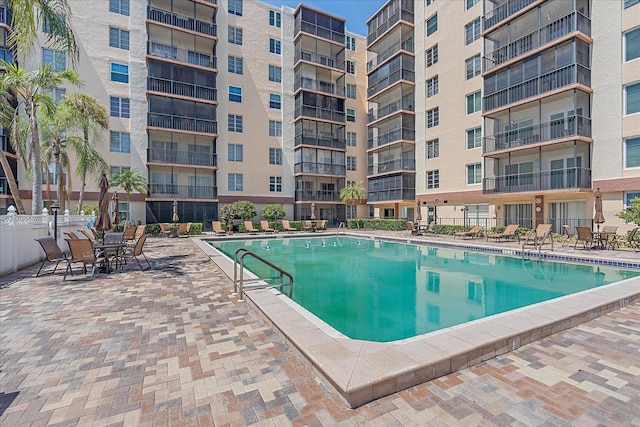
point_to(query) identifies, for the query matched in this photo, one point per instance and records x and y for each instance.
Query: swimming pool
(386, 291)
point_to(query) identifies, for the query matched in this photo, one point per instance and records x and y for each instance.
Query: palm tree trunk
(60, 195)
(11, 180)
(36, 162)
(83, 178)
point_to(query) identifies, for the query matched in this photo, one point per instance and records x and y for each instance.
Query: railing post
(11, 211)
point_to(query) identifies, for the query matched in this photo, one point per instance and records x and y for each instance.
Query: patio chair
(307, 226)
(264, 225)
(608, 236)
(90, 236)
(129, 234)
(430, 229)
(217, 228)
(287, 227)
(321, 225)
(52, 253)
(139, 231)
(71, 235)
(630, 239)
(136, 252)
(182, 229)
(248, 225)
(165, 230)
(538, 236)
(508, 233)
(411, 229)
(569, 233)
(81, 251)
(585, 236)
(474, 232)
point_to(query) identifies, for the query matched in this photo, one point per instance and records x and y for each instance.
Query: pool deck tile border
(362, 371)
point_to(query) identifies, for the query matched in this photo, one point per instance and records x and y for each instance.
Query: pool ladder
(240, 284)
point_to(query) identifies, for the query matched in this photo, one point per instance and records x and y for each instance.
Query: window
(473, 66)
(118, 38)
(632, 44)
(632, 152)
(235, 181)
(119, 73)
(351, 163)
(57, 60)
(235, 65)
(235, 152)
(275, 156)
(351, 91)
(275, 19)
(275, 184)
(472, 31)
(234, 123)
(275, 74)
(629, 3)
(275, 128)
(46, 25)
(350, 42)
(474, 102)
(235, 7)
(474, 174)
(351, 115)
(433, 117)
(351, 139)
(235, 35)
(433, 179)
(120, 142)
(632, 98)
(351, 67)
(470, 3)
(432, 24)
(119, 107)
(275, 101)
(433, 149)
(117, 170)
(57, 93)
(275, 46)
(119, 6)
(235, 93)
(628, 197)
(432, 86)
(431, 55)
(474, 138)
(429, 2)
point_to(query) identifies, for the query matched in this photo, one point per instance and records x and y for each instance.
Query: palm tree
(130, 180)
(28, 88)
(9, 118)
(353, 193)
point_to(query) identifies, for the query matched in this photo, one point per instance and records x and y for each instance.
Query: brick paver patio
(171, 346)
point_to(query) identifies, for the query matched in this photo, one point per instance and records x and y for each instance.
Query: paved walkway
(172, 347)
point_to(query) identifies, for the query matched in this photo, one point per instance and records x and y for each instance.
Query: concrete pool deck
(362, 371)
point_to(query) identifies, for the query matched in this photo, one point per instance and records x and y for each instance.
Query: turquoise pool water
(385, 291)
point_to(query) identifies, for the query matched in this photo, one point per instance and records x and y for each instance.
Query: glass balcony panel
(191, 158)
(170, 191)
(392, 166)
(497, 13)
(538, 181)
(320, 168)
(399, 134)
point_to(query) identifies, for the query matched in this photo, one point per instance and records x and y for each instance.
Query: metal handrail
(239, 284)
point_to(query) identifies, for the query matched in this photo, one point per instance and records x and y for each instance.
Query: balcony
(543, 35)
(392, 166)
(317, 196)
(317, 58)
(547, 82)
(388, 195)
(329, 88)
(399, 134)
(174, 191)
(177, 157)
(387, 22)
(406, 45)
(188, 90)
(320, 113)
(323, 31)
(5, 15)
(181, 21)
(399, 68)
(319, 168)
(180, 54)
(571, 126)
(190, 124)
(503, 11)
(406, 103)
(561, 179)
(329, 141)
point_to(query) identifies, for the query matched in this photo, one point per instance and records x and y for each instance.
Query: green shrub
(153, 229)
(378, 224)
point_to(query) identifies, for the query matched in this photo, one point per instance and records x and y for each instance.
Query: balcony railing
(400, 134)
(180, 54)
(537, 38)
(390, 51)
(565, 76)
(181, 21)
(316, 58)
(191, 124)
(319, 85)
(172, 191)
(317, 196)
(191, 158)
(321, 141)
(547, 131)
(536, 181)
(503, 11)
(320, 168)
(392, 166)
(398, 194)
(174, 87)
(401, 74)
(404, 14)
(320, 113)
(318, 30)
(406, 103)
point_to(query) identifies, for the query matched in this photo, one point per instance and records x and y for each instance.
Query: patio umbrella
(313, 210)
(598, 218)
(116, 208)
(418, 213)
(175, 217)
(103, 222)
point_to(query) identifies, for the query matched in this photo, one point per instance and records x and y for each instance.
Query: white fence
(18, 248)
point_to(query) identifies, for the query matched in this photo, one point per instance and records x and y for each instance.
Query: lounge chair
(411, 229)
(71, 235)
(217, 228)
(307, 226)
(321, 225)
(89, 235)
(474, 232)
(585, 236)
(287, 227)
(81, 251)
(248, 225)
(182, 229)
(538, 236)
(508, 233)
(569, 233)
(52, 253)
(165, 230)
(264, 225)
(136, 251)
(429, 229)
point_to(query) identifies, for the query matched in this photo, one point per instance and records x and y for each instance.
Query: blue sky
(356, 12)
